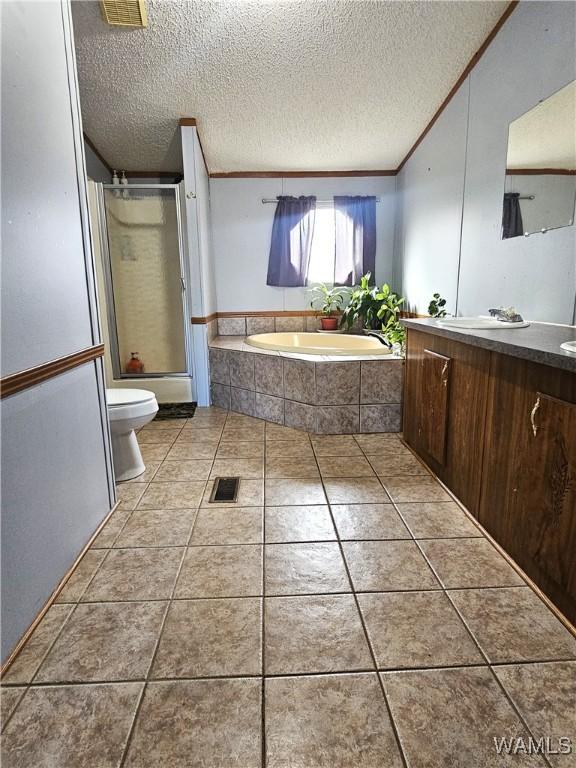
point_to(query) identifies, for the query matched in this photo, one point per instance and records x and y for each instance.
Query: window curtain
(512, 225)
(355, 222)
(291, 243)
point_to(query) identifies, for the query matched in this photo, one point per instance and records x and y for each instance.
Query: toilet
(128, 409)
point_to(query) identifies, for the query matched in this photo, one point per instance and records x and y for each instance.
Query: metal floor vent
(225, 489)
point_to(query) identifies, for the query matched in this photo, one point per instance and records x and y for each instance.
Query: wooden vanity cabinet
(528, 498)
(446, 385)
(500, 432)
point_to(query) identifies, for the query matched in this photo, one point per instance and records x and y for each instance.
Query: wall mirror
(540, 186)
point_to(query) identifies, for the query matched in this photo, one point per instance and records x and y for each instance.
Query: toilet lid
(128, 396)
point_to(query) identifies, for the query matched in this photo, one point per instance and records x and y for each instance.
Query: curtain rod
(267, 200)
(526, 197)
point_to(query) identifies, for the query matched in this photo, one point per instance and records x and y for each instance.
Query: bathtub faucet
(380, 336)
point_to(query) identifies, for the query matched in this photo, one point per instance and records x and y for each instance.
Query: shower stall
(144, 278)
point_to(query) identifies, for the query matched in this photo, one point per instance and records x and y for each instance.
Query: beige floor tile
(175, 495)
(284, 449)
(241, 434)
(211, 638)
(243, 420)
(437, 520)
(335, 445)
(105, 642)
(369, 521)
(416, 629)
(157, 528)
(545, 695)
(314, 633)
(24, 666)
(147, 475)
(162, 436)
(193, 433)
(289, 467)
(240, 450)
(173, 424)
(77, 583)
(110, 531)
(279, 432)
(135, 574)
(380, 443)
(186, 470)
(221, 571)
(198, 724)
(9, 699)
(414, 488)
(394, 464)
(249, 469)
(344, 466)
(513, 625)
(294, 491)
(196, 450)
(303, 523)
(469, 563)
(129, 494)
(331, 721)
(450, 717)
(155, 451)
(387, 566)
(250, 494)
(228, 525)
(355, 490)
(71, 726)
(299, 569)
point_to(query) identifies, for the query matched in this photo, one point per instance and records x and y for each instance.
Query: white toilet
(128, 409)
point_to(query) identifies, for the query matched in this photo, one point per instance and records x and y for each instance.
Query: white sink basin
(569, 346)
(479, 323)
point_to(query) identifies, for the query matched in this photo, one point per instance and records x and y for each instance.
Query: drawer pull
(533, 413)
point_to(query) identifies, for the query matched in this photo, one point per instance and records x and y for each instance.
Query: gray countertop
(539, 342)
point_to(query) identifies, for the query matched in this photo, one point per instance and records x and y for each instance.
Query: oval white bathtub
(319, 343)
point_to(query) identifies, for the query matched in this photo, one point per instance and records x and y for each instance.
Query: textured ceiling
(274, 85)
(545, 137)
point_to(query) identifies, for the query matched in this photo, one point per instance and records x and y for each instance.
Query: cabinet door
(446, 384)
(433, 404)
(529, 477)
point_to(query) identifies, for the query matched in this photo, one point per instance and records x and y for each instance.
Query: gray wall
(242, 225)
(448, 236)
(95, 168)
(56, 476)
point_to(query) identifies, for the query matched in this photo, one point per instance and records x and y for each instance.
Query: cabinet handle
(533, 413)
(443, 376)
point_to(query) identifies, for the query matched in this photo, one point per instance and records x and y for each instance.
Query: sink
(479, 323)
(569, 346)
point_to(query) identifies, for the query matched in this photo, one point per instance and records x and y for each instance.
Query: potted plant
(328, 301)
(436, 306)
(375, 308)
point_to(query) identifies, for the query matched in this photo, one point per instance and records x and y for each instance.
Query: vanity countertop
(539, 342)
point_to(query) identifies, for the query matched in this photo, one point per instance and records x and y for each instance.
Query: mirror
(540, 186)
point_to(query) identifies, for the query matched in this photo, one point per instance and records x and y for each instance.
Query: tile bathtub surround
(181, 620)
(327, 396)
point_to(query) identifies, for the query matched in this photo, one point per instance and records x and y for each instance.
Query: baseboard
(54, 594)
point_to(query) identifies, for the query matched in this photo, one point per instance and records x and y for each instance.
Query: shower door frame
(109, 285)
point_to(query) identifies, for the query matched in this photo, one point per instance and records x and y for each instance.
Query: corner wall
(448, 229)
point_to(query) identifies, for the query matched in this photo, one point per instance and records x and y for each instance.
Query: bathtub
(319, 343)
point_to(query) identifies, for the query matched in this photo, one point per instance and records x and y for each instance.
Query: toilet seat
(130, 403)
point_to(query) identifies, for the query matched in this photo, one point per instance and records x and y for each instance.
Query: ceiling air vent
(125, 13)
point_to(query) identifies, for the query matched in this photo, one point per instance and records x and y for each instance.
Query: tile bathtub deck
(344, 613)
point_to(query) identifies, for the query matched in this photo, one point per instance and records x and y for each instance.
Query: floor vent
(225, 489)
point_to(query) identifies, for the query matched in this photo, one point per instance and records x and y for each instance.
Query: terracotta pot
(329, 323)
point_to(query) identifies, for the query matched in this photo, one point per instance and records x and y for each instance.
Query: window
(323, 253)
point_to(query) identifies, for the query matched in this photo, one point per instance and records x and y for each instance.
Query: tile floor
(344, 613)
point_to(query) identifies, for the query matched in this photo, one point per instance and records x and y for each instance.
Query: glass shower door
(145, 280)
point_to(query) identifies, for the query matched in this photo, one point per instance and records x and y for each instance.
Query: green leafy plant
(375, 308)
(327, 300)
(436, 306)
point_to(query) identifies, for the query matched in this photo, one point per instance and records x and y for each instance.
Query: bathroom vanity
(493, 414)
